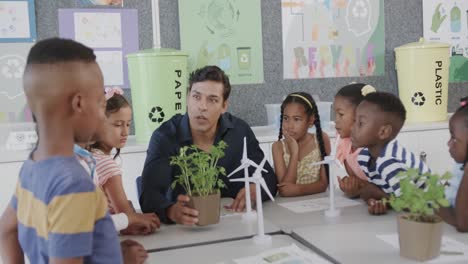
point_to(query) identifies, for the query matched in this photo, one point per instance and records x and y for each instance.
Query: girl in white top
(113, 133)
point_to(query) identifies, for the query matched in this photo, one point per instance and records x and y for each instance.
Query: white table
(176, 236)
(221, 252)
(357, 242)
(287, 220)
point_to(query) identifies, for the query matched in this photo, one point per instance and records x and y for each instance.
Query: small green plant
(199, 170)
(420, 202)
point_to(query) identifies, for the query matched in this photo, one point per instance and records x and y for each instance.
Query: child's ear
(385, 132)
(311, 121)
(77, 103)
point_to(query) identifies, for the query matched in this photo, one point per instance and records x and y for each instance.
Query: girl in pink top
(113, 133)
(345, 103)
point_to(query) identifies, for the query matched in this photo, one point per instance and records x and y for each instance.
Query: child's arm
(458, 216)
(372, 191)
(10, 249)
(144, 223)
(287, 189)
(283, 173)
(351, 185)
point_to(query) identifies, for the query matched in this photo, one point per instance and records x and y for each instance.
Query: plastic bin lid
(423, 44)
(157, 52)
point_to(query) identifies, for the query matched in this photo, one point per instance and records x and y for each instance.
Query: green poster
(226, 33)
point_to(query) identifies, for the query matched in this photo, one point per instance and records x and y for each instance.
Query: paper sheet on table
(451, 250)
(318, 204)
(283, 255)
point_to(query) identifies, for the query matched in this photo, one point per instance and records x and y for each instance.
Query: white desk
(357, 242)
(221, 252)
(175, 236)
(288, 220)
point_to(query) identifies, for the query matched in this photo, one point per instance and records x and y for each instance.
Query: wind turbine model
(260, 183)
(335, 166)
(245, 163)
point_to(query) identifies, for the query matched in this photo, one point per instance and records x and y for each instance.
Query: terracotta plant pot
(419, 241)
(208, 208)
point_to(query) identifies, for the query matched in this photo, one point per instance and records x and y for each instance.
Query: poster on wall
(447, 22)
(13, 105)
(333, 38)
(17, 21)
(112, 33)
(226, 33)
(86, 3)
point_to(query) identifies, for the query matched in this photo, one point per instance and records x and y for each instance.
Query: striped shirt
(61, 214)
(106, 167)
(392, 160)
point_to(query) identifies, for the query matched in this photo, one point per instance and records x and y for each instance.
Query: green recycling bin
(423, 73)
(158, 82)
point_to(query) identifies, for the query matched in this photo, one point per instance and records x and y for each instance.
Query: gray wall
(403, 24)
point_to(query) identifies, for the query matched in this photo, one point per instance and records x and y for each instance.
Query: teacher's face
(205, 104)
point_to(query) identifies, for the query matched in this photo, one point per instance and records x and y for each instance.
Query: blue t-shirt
(61, 214)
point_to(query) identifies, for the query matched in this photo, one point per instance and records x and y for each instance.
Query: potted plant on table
(200, 179)
(419, 228)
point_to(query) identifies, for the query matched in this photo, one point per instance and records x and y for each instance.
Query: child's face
(366, 126)
(458, 143)
(113, 133)
(94, 103)
(295, 121)
(344, 116)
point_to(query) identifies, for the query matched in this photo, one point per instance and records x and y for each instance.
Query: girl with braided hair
(296, 148)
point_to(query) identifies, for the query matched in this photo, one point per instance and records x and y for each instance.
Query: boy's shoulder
(55, 176)
(395, 151)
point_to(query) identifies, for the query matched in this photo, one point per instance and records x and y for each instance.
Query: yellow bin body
(158, 81)
(423, 73)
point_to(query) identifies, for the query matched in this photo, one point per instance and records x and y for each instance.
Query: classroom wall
(403, 24)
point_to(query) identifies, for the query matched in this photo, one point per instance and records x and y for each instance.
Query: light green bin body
(423, 74)
(158, 81)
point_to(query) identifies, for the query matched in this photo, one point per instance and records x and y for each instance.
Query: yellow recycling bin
(158, 80)
(423, 73)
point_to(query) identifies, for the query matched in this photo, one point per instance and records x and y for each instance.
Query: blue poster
(17, 21)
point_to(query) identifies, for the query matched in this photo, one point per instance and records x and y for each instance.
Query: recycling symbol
(13, 68)
(156, 115)
(418, 99)
(244, 58)
(360, 9)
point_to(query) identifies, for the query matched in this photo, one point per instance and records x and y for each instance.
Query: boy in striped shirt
(379, 118)
(57, 214)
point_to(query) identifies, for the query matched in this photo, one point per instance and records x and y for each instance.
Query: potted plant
(419, 228)
(200, 179)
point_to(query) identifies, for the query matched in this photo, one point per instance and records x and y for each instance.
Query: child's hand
(350, 185)
(142, 224)
(133, 252)
(376, 207)
(291, 143)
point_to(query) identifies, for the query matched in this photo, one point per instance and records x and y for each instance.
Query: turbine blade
(241, 167)
(243, 180)
(253, 164)
(265, 188)
(320, 162)
(244, 153)
(260, 167)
